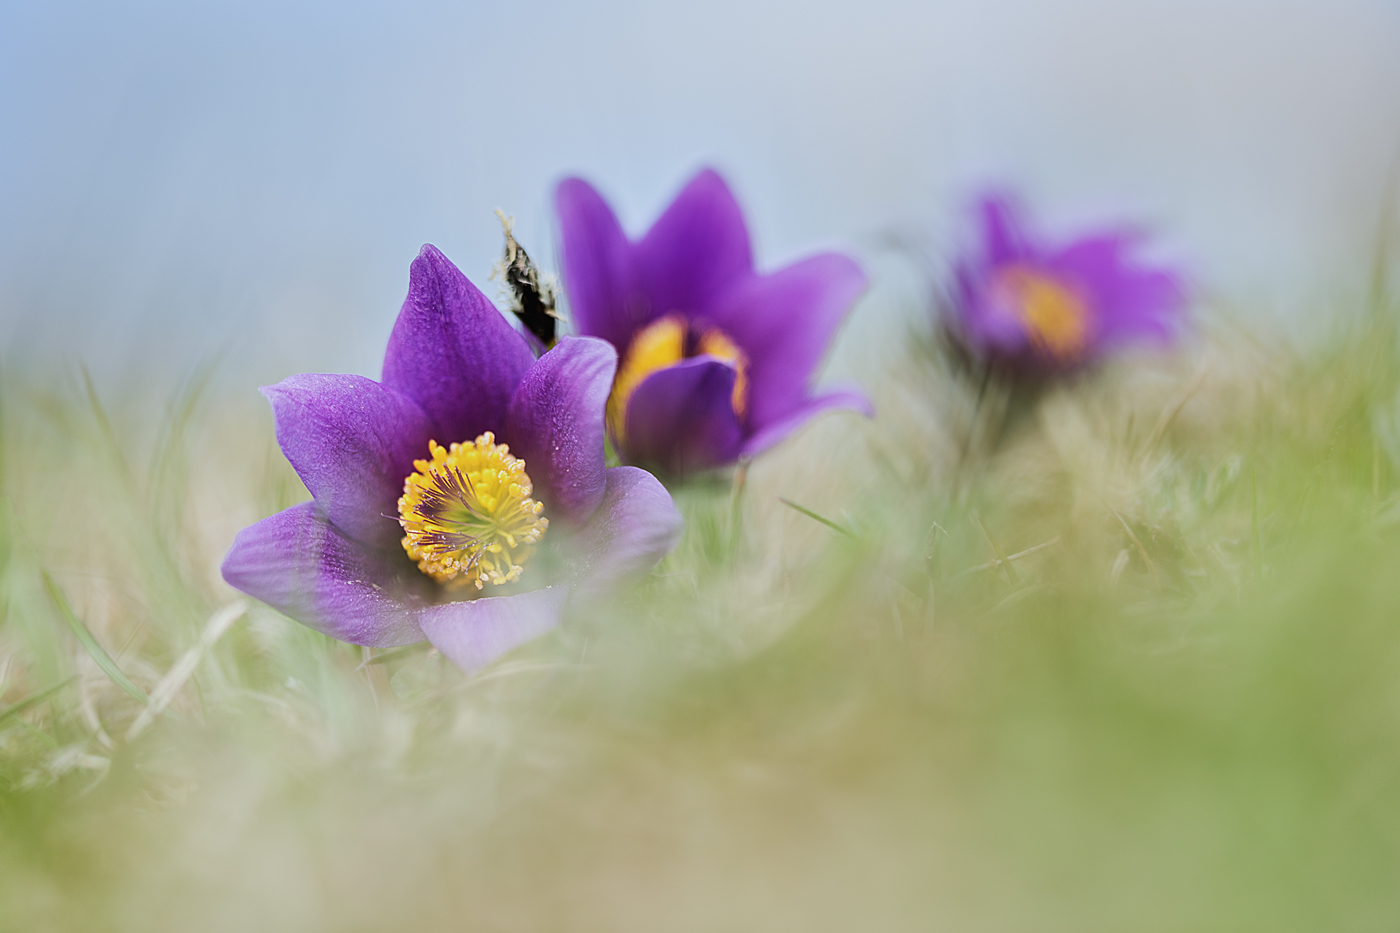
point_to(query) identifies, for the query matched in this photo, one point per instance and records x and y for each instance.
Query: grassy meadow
(1123, 656)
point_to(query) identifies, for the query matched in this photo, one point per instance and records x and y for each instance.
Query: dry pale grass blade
(1137, 543)
(1002, 560)
(1169, 415)
(994, 564)
(170, 684)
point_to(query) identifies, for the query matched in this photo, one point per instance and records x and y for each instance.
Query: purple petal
(556, 425)
(989, 324)
(774, 432)
(1004, 238)
(1131, 301)
(352, 442)
(696, 250)
(453, 353)
(681, 418)
(604, 297)
(475, 632)
(1151, 304)
(635, 526)
(298, 563)
(785, 323)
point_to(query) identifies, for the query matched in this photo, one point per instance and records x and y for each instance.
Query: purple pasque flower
(1038, 308)
(505, 524)
(717, 360)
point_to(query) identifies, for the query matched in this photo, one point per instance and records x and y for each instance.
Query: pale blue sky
(258, 176)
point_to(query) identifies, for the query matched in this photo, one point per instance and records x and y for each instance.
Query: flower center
(662, 343)
(1054, 317)
(467, 516)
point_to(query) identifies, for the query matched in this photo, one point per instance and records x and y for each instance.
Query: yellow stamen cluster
(1054, 317)
(660, 344)
(467, 515)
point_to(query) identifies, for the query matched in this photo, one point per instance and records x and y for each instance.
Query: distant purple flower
(1038, 308)
(474, 515)
(717, 360)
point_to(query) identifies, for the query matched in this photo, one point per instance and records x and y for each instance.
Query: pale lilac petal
(605, 299)
(681, 419)
(475, 632)
(352, 442)
(847, 399)
(556, 425)
(1004, 238)
(453, 353)
(635, 526)
(696, 250)
(298, 563)
(785, 323)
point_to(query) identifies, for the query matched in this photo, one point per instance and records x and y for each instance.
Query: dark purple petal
(453, 353)
(785, 323)
(604, 297)
(352, 442)
(298, 563)
(475, 632)
(635, 526)
(696, 250)
(556, 425)
(775, 431)
(681, 418)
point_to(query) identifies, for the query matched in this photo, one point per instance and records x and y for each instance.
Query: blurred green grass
(1179, 711)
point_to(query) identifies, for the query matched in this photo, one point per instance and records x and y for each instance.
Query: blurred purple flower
(717, 360)
(454, 371)
(1036, 308)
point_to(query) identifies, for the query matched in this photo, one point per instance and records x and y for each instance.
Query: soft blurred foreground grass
(1179, 711)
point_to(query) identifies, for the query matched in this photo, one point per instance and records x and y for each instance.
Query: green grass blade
(32, 701)
(104, 425)
(85, 637)
(395, 654)
(834, 526)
